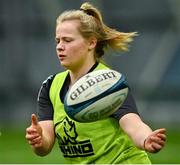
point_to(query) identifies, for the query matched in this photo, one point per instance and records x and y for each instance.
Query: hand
(155, 141)
(34, 133)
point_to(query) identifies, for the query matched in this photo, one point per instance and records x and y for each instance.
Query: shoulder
(45, 86)
(48, 81)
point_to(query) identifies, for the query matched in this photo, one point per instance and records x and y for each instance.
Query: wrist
(144, 144)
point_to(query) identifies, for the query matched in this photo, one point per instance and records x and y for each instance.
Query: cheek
(78, 49)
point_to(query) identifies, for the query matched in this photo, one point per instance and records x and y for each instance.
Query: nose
(60, 46)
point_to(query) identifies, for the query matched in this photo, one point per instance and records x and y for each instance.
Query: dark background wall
(152, 66)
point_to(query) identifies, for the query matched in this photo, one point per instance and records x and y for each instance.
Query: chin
(65, 65)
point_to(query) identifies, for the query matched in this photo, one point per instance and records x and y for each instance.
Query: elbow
(41, 153)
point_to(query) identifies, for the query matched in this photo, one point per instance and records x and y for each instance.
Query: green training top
(100, 142)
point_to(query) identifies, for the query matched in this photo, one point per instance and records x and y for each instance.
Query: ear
(92, 43)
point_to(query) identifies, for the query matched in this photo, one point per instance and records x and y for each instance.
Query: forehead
(68, 27)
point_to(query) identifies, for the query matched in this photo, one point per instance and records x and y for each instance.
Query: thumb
(160, 131)
(34, 120)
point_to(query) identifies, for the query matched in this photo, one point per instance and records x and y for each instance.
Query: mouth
(61, 56)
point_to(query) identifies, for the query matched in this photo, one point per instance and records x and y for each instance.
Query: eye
(57, 40)
(67, 39)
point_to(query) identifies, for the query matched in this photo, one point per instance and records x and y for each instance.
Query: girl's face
(72, 49)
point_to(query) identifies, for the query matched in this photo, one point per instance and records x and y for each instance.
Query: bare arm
(40, 136)
(141, 134)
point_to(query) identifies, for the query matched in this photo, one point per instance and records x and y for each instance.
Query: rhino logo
(67, 138)
(68, 132)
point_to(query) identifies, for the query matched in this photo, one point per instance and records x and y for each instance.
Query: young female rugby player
(123, 137)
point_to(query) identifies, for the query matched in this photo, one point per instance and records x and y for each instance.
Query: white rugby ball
(96, 95)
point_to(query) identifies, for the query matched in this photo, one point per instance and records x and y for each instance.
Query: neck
(77, 74)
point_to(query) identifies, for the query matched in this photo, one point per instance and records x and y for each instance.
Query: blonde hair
(91, 24)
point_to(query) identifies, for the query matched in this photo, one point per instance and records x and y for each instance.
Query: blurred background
(27, 58)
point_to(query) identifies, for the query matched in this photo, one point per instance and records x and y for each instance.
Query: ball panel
(98, 110)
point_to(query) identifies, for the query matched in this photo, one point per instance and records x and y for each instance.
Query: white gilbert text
(90, 82)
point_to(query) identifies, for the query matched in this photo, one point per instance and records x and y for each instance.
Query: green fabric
(100, 142)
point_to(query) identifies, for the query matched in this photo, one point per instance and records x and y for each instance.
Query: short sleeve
(129, 106)
(44, 106)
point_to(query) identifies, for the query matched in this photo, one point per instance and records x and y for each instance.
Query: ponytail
(111, 37)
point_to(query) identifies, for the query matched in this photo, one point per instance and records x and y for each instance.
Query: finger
(162, 136)
(150, 148)
(31, 130)
(35, 141)
(34, 120)
(154, 139)
(161, 131)
(37, 145)
(158, 140)
(156, 146)
(31, 137)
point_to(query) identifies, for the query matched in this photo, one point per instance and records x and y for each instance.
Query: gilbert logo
(67, 139)
(90, 82)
